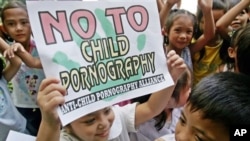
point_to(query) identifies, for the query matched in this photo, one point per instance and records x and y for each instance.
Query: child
(180, 28)
(228, 61)
(10, 118)
(207, 60)
(236, 17)
(165, 122)
(27, 80)
(110, 123)
(211, 111)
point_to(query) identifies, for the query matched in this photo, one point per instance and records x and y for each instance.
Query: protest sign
(104, 52)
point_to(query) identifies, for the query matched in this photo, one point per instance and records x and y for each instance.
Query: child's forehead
(195, 119)
(97, 112)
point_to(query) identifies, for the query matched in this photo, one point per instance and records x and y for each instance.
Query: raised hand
(205, 4)
(172, 2)
(176, 65)
(50, 96)
(10, 51)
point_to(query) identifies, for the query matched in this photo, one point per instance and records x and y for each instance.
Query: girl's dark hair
(223, 98)
(217, 5)
(10, 5)
(243, 50)
(226, 59)
(175, 14)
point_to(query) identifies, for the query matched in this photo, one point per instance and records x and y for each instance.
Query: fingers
(50, 95)
(174, 60)
(50, 101)
(51, 92)
(176, 65)
(46, 82)
(10, 52)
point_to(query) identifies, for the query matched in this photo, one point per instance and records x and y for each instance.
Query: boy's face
(192, 127)
(94, 126)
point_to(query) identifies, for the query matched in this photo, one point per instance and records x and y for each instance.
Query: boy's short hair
(224, 98)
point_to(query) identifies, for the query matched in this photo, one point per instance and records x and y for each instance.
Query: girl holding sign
(110, 123)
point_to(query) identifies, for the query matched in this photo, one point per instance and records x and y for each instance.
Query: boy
(218, 103)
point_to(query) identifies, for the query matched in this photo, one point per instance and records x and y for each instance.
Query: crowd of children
(207, 55)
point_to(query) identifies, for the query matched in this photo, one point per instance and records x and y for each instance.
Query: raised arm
(13, 64)
(50, 96)
(26, 57)
(158, 100)
(209, 26)
(166, 9)
(222, 25)
(160, 5)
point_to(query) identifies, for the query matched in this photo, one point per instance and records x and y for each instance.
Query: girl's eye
(177, 30)
(197, 138)
(182, 121)
(107, 111)
(89, 121)
(190, 32)
(242, 13)
(25, 22)
(10, 24)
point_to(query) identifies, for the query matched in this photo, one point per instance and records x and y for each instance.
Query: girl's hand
(10, 52)
(176, 65)
(172, 2)
(205, 4)
(50, 96)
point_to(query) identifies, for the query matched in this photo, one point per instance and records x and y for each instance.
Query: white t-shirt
(26, 83)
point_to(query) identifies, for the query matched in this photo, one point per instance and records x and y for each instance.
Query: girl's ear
(231, 52)
(2, 29)
(164, 31)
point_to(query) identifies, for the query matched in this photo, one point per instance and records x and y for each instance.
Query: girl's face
(240, 20)
(192, 127)
(181, 32)
(16, 24)
(94, 126)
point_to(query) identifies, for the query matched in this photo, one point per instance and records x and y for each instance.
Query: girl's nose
(19, 26)
(183, 35)
(104, 122)
(184, 135)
